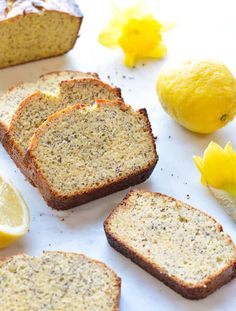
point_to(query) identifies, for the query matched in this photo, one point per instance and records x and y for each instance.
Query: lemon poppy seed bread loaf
(180, 245)
(85, 152)
(32, 30)
(57, 281)
(49, 82)
(35, 109)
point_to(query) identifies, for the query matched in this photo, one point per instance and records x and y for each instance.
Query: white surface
(204, 29)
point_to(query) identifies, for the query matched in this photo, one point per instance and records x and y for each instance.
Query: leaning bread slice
(57, 281)
(49, 82)
(180, 245)
(9, 102)
(83, 153)
(35, 109)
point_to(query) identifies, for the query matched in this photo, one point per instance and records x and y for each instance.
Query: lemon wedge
(14, 214)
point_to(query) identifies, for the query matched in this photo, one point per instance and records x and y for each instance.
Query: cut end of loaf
(180, 245)
(31, 31)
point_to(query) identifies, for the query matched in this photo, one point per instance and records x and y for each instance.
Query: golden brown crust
(115, 103)
(60, 202)
(193, 292)
(96, 82)
(3, 130)
(11, 148)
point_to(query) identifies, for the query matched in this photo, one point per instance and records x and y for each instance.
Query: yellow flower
(218, 173)
(138, 34)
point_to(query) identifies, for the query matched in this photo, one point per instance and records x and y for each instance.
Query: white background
(203, 29)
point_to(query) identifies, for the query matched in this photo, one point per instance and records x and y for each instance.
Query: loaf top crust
(12, 8)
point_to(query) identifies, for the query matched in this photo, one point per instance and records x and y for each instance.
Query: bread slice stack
(57, 281)
(35, 109)
(78, 141)
(10, 101)
(178, 244)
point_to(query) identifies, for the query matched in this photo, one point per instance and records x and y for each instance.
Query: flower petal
(217, 168)
(129, 59)
(109, 37)
(200, 165)
(229, 150)
(136, 31)
(158, 52)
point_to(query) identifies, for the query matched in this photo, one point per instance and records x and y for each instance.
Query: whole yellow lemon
(199, 95)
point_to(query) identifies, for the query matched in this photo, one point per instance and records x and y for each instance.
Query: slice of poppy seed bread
(49, 82)
(178, 244)
(57, 281)
(35, 109)
(86, 152)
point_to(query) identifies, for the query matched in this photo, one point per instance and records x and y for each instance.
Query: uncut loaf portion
(32, 30)
(86, 152)
(49, 82)
(181, 246)
(57, 281)
(35, 109)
